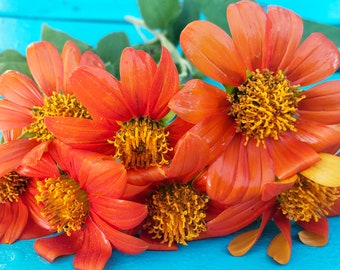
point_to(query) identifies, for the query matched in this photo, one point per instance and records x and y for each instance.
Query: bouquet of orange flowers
(166, 146)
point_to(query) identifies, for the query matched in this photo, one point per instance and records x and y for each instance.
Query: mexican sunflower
(263, 125)
(80, 198)
(127, 114)
(26, 101)
(306, 198)
(19, 214)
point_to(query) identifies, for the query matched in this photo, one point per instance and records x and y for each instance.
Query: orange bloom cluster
(98, 163)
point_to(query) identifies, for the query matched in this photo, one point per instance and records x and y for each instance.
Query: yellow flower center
(65, 204)
(56, 105)
(265, 105)
(307, 200)
(141, 143)
(12, 185)
(176, 214)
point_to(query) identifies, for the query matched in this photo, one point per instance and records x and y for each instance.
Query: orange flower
(263, 126)
(127, 114)
(83, 204)
(25, 102)
(307, 198)
(19, 214)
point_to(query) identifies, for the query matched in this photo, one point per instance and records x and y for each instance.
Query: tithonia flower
(126, 114)
(306, 198)
(82, 203)
(25, 101)
(19, 214)
(263, 126)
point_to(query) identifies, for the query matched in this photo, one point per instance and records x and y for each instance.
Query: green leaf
(152, 48)
(58, 38)
(330, 31)
(215, 11)
(159, 13)
(110, 47)
(189, 13)
(11, 59)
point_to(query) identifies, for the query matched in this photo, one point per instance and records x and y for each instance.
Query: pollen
(12, 185)
(307, 200)
(265, 106)
(176, 214)
(65, 204)
(141, 143)
(57, 104)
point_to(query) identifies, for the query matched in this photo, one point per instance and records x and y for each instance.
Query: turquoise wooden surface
(20, 24)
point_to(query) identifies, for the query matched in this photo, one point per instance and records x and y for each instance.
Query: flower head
(263, 126)
(83, 203)
(26, 102)
(127, 114)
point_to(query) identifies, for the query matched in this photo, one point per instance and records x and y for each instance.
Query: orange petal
(315, 233)
(89, 58)
(145, 176)
(217, 131)
(242, 243)
(13, 152)
(290, 156)
(198, 100)
(177, 129)
(13, 115)
(121, 241)
(106, 177)
(228, 176)
(95, 249)
(316, 59)
(165, 84)
(137, 71)
(71, 57)
(317, 135)
(20, 89)
(272, 189)
(14, 221)
(191, 156)
(119, 213)
(53, 247)
(213, 52)
(279, 249)
(94, 85)
(247, 22)
(284, 31)
(46, 66)
(238, 216)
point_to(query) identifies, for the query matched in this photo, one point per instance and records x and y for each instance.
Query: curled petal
(314, 233)
(247, 22)
(316, 59)
(122, 241)
(326, 171)
(290, 156)
(198, 100)
(272, 189)
(145, 176)
(190, 158)
(95, 250)
(213, 52)
(13, 115)
(53, 247)
(46, 66)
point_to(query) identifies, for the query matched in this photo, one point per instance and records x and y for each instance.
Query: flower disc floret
(12, 185)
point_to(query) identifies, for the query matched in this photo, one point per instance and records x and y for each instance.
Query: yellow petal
(242, 243)
(312, 239)
(279, 249)
(326, 171)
